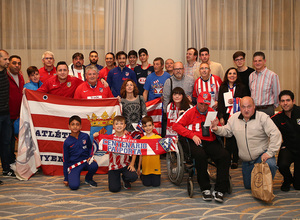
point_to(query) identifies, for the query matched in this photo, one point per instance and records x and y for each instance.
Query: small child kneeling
(120, 163)
(78, 148)
(151, 170)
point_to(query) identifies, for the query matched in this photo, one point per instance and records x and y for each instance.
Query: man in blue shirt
(154, 84)
(118, 75)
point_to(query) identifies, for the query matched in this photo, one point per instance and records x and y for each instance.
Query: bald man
(258, 138)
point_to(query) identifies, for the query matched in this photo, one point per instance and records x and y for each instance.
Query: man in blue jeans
(257, 136)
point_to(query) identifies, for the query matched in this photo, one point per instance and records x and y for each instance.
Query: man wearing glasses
(243, 70)
(178, 79)
(207, 82)
(49, 69)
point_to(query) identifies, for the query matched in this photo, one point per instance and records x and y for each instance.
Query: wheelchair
(179, 162)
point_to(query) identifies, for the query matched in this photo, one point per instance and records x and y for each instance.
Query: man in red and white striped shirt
(207, 82)
(264, 85)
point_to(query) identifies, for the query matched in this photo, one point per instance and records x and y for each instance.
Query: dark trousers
(231, 147)
(74, 175)
(285, 159)
(12, 143)
(218, 154)
(114, 178)
(5, 136)
(151, 180)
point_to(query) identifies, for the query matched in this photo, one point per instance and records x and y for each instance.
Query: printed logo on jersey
(126, 74)
(69, 84)
(100, 89)
(149, 72)
(213, 86)
(298, 121)
(138, 73)
(142, 80)
(84, 141)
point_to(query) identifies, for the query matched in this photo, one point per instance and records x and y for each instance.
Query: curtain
(271, 26)
(118, 25)
(31, 27)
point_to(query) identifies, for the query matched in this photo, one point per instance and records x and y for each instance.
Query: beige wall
(158, 27)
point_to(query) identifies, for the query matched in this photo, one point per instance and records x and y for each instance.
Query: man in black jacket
(288, 122)
(5, 124)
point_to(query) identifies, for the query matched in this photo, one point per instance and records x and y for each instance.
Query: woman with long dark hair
(178, 104)
(133, 104)
(231, 84)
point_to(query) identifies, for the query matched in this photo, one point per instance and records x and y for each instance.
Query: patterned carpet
(45, 197)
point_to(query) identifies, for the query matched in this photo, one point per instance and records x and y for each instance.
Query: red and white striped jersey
(212, 86)
(118, 161)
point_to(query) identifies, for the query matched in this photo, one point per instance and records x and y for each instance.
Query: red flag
(155, 110)
(46, 119)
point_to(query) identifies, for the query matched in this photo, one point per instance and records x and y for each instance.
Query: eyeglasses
(204, 68)
(48, 58)
(178, 69)
(237, 60)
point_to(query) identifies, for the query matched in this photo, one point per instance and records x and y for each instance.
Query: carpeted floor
(45, 197)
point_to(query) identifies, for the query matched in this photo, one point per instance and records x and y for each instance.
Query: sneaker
(9, 173)
(126, 185)
(285, 187)
(218, 196)
(206, 195)
(92, 183)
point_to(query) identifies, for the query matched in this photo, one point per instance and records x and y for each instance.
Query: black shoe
(218, 196)
(285, 187)
(1, 182)
(206, 195)
(9, 173)
(126, 185)
(92, 183)
(234, 166)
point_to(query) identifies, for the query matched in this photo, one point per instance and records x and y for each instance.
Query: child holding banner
(119, 163)
(151, 170)
(78, 151)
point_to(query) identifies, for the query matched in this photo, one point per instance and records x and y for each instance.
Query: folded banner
(44, 127)
(155, 110)
(134, 146)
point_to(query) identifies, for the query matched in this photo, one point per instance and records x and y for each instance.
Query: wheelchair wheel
(190, 187)
(175, 166)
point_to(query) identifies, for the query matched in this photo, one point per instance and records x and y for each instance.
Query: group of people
(244, 99)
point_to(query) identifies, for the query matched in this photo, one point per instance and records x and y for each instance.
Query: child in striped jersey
(120, 163)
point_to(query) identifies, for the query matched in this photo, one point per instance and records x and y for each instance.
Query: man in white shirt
(77, 68)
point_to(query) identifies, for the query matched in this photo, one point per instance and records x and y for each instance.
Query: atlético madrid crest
(69, 84)
(298, 121)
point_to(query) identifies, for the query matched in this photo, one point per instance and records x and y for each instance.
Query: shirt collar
(252, 117)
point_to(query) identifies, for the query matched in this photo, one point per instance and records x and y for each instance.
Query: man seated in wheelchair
(203, 144)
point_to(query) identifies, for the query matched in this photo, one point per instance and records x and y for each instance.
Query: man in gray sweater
(179, 79)
(258, 138)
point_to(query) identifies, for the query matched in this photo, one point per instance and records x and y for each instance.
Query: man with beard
(288, 122)
(62, 84)
(77, 68)
(5, 123)
(16, 84)
(118, 75)
(93, 56)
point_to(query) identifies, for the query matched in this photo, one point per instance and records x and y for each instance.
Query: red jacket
(189, 124)
(15, 95)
